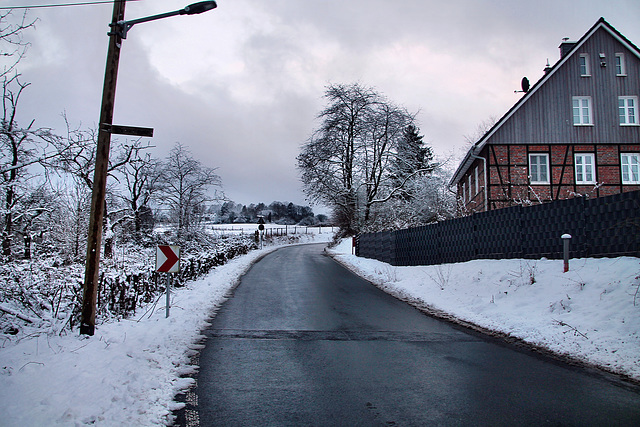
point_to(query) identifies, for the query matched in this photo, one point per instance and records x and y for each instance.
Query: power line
(85, 3)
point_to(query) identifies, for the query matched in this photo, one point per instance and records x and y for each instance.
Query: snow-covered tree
(141, 177)
(431, 200)
(20, 147)
(348, 163)
(413, 159)
(185, 185)
(13, 47)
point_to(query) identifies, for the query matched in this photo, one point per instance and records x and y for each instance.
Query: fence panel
(542, 226)
(613, 225)
(418, 246)
(498, 233)
(457, 242)
(605, 226)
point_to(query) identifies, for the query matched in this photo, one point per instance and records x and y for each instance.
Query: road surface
(305, 342)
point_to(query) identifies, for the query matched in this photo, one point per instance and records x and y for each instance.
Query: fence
(601, 227)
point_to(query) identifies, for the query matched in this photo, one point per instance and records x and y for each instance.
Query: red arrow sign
(167, 258)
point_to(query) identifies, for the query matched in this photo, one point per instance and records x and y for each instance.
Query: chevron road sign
(168, 259)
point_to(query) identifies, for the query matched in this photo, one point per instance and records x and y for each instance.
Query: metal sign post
(168, 304)
(168, 261)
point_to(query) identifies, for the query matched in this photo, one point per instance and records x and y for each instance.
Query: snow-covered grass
(128, 373)
(590, 313)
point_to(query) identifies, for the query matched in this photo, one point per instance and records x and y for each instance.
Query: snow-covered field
(590, 313)
(227, 229)
(130, 371)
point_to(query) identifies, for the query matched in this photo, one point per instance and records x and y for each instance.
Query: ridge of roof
(479, 145)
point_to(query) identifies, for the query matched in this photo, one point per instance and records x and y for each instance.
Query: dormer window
(585, 68)
(621, 69)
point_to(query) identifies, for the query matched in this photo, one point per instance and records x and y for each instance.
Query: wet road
(305, 342)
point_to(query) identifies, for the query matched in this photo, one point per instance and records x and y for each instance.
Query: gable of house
(586, 103)
(547, 113)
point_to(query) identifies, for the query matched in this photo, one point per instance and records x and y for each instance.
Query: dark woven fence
(602, 227)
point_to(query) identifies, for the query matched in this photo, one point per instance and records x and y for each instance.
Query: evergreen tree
(413, 158)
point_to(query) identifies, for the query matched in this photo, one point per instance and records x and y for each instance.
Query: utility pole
(119, 29)
(94, 240)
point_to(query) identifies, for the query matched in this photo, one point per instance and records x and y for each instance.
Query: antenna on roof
(524, 84)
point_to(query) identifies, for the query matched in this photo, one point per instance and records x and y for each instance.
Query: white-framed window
(582, 115)
(539, 168)
(477, 184)
(628, 110)
(469, 187)
(585, 168)
(585, 66)
(621, 67)
(464, 192)
(630, 164)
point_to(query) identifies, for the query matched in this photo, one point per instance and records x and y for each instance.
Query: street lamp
(123, 27)
(120, 27)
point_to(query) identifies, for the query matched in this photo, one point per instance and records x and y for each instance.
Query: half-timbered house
(576, 132)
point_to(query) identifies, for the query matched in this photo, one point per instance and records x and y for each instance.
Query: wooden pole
(94, 239)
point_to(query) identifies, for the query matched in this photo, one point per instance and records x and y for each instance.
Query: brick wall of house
(508, 173)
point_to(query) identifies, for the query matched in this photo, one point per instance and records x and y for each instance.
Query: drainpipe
(486, 183)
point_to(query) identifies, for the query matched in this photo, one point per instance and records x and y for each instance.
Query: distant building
(576, 132)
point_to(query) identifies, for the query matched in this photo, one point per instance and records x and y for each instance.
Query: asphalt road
(305, 342)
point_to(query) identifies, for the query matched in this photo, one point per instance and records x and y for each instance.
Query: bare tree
(185, 185)
(385, 129)
(34, 216)
(141, 177)
(348, 163)
(75, 156)
(19, 148)
(328, 160)
(481, 129)
(12, 45)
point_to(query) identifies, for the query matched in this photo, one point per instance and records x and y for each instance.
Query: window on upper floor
(630, 164)
(464, 191)
(628, 110)
(621, 68)
(585, 168)
(582, 115)
(539, 168)
(477, 185)
(470, 187)
(585, 66)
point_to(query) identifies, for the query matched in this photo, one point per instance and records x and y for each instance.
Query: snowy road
(305, 342)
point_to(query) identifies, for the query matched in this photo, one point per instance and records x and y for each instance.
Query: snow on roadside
(591, 313)
(128, 373)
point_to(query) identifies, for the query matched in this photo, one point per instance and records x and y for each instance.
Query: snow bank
(591, 313)
(128, 373)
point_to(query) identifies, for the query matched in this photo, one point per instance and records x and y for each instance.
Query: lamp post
(120, 27)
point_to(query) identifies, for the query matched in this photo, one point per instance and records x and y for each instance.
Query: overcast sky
(241, 85)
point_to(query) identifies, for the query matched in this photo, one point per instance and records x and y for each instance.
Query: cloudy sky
(241, 85)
